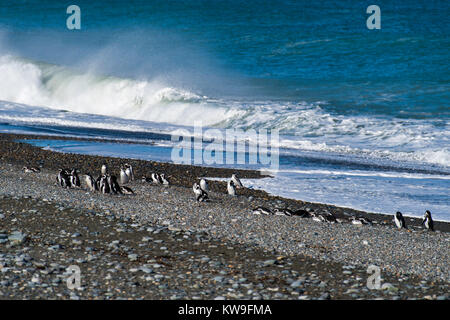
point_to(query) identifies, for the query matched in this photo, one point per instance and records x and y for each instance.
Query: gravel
(160, 243)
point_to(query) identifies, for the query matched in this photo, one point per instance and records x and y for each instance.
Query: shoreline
(409, 259)
(184, 175)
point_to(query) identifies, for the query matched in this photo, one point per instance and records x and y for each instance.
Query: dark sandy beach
(161, 244)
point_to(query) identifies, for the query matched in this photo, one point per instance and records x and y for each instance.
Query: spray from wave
(60, 88)
(149, 96)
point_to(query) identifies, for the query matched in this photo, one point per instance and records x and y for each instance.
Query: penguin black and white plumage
(124, 178)
(301, 213)
(104, 169)
(156, 178)
(200, 195)
(31, 169)
(236, 181)
(318, 217)
(145, 179)
(126, 190)
(399, 220)
(129, 171)
(74, 179)
(231, 188)
(113, 184)
(104, 185)
(283, 212)
(204, 185)
(63, 179)
(360, 221)
(90, 182)
(428, 221)
(263, 211)
(97, 182)
(164, 179)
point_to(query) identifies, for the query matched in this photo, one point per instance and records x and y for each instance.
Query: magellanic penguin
(200, 195)
(31, 169)
(302, 213)
(156, 178)
(90, 182)
(262, 210)
(126, 190)
(104, 185)
(104, 169)
(428, 221)
(113, 184)
(74, 179)
(231, 188)
(399, 220)
(129, 171)
(204, 185)
(124, 178)
(164, 180)
(63, 179)
(236, 181)
(283, 212)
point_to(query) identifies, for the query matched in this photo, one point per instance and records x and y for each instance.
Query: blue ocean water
(363, 114)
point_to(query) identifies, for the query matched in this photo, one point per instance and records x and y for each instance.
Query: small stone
(296, 284)
(325, 296)
(269, 262)
(16, 237)
(132, 257)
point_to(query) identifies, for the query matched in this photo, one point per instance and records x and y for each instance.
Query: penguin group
(156, 178)
(201, 189)
(327, 216)
(427, 221)
(105, 183)
(68, 178)
(281, 212)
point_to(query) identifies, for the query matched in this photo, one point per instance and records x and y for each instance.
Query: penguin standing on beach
(63, 179)
(91, 183)
(399, 220)
(74, 179)
(204, 185)
(200, 195)
(129, 171)
(231, 188)
(104, 169)
(236, 181)
(124, 178)
(428, 221)
(113, 184)
(104, 185)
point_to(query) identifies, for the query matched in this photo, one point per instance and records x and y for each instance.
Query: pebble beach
(160, 243)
